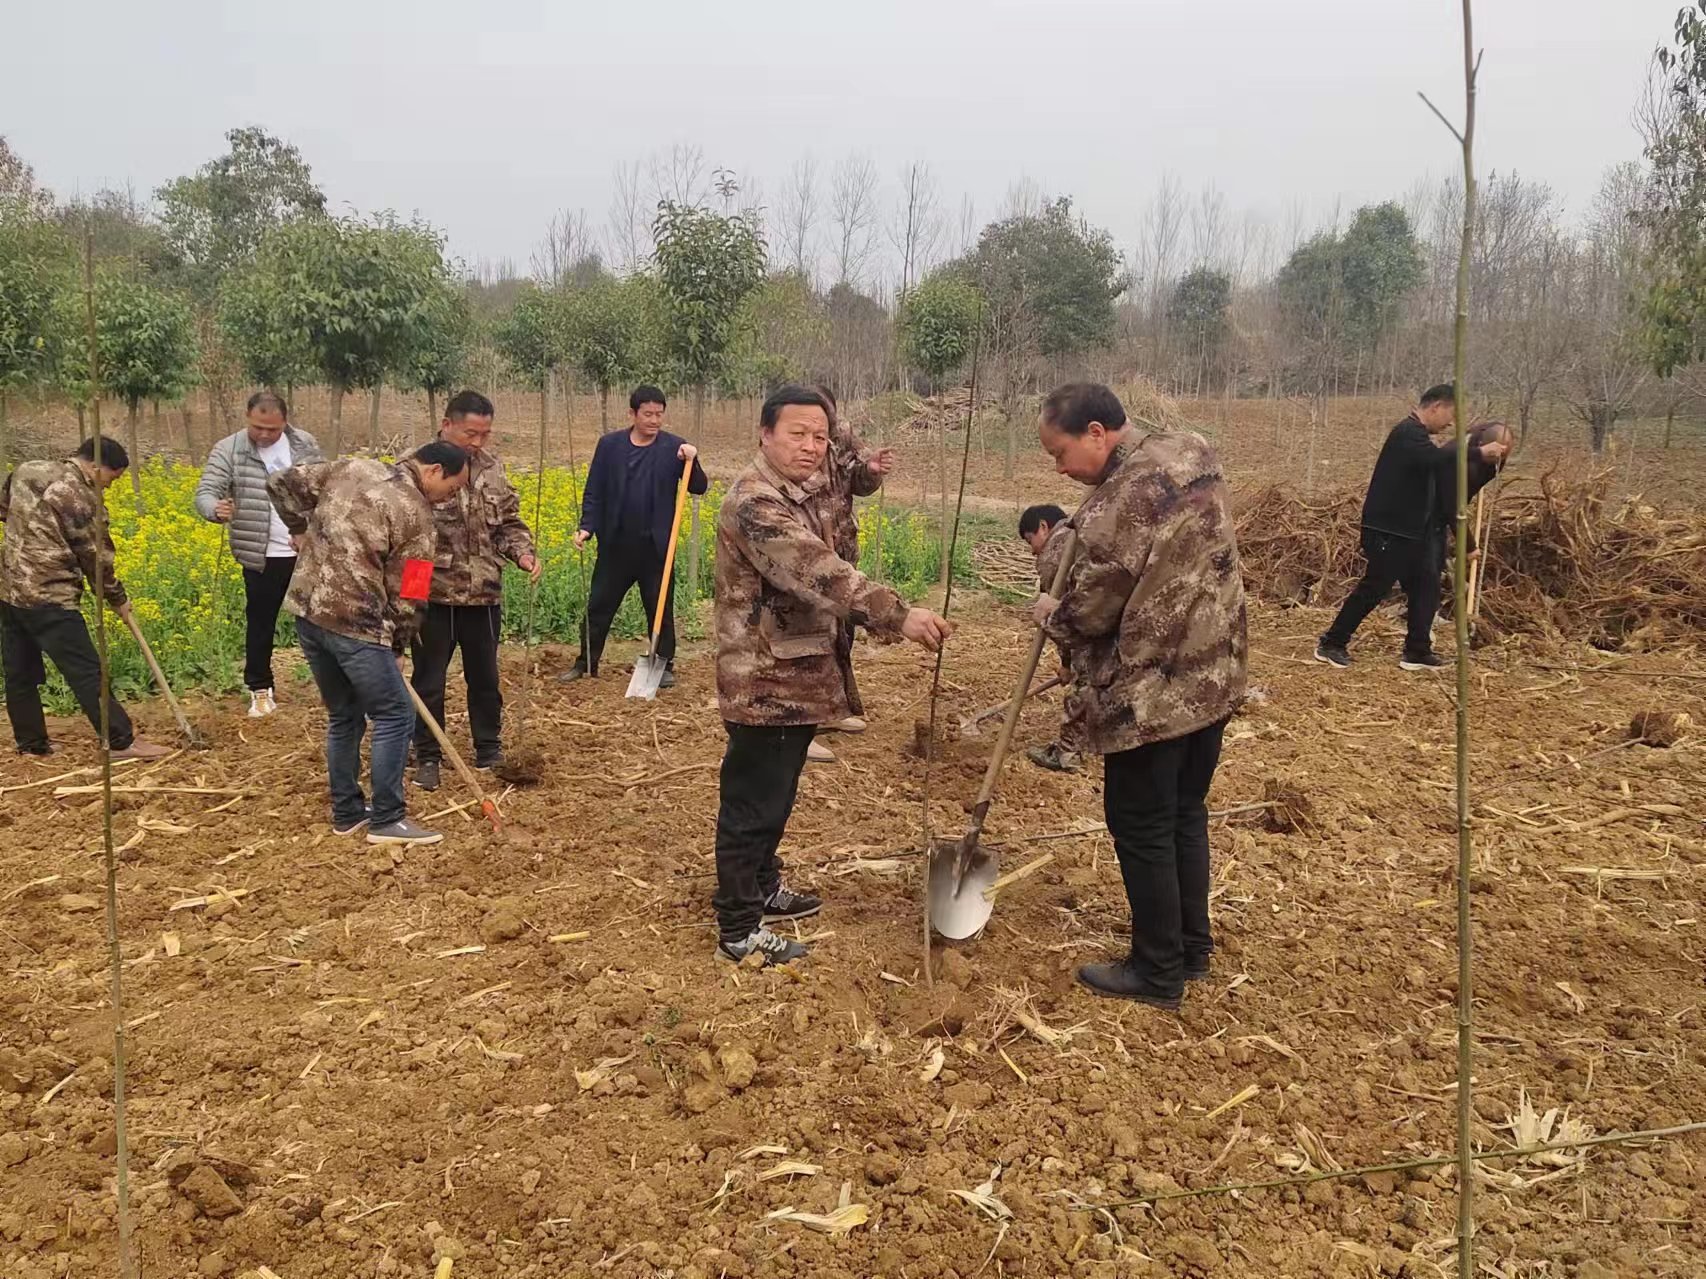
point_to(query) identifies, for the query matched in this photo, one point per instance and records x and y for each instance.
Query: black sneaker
(572, 674)
(1420, 662)
(355, 827)
(42, 750)
(1118, 981)
(1332, 655)
(774, 950)
(1056, 758)
(426, 774)
(785, 904)
(487, 763)
(668, 680)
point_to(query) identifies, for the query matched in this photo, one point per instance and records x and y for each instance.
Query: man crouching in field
(783, 596)
(358, 594)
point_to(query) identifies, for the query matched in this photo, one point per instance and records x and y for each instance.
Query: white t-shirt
(277, 458)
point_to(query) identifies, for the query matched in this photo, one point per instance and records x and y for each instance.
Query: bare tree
(1208, 226)
(1158, 247)
(1025, 198)
(917, 226)
(1609, 368)
(678, 175)
(853, 217)
(629, 220)
(569, 242)
(796, 216)
(967, 227)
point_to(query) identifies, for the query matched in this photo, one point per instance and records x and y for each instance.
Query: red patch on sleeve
(417, 579)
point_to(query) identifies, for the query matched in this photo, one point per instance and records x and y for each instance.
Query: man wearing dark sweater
(1414, 480)
(628, 505)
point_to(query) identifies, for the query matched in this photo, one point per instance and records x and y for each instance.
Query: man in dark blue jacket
(1414, 481)
(628, 505)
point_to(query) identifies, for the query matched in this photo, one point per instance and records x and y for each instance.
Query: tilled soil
(516, 1049)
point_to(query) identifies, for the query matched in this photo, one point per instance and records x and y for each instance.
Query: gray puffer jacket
(234, 470)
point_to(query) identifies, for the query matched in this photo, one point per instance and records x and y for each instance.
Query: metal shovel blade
(958, 908)
(647, 677)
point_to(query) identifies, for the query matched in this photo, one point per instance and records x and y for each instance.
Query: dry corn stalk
(590, 1079)
(790, 1168)
(982, 1197)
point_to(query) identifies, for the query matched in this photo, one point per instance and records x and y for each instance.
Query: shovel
(960, 872)
(969, 727)
(194, 738)
(648, 670)
(488, 805)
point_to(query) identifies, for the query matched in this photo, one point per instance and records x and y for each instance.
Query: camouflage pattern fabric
(1153, 610)
(849, 477)
(783, 598)
(363, 520)
(51, 542)
(478, 530)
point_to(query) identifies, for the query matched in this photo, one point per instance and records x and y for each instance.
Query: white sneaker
(261, 703)
(818, 753)
(852, 724)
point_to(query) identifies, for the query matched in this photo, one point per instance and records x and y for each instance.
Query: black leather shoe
(1196, 968)
(1118, 981)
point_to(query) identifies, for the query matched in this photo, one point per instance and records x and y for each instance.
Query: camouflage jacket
(1153, 610)
(849, 477)
(363, 520)
(478, 530)
(783, 596)
(51, 542)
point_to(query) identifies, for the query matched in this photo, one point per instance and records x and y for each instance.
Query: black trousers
(621, 566)
(760, 778)
(1410, 562)
(1155, 799)
(26, 635)
(263, 596)
(475, 629)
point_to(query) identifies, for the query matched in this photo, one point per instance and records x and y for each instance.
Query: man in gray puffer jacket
(233, 491)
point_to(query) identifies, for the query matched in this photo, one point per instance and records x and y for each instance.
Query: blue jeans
(360, 682)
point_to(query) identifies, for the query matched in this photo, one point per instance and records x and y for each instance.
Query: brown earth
(324, 1079)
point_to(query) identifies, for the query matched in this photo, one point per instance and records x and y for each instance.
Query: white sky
(486, 118)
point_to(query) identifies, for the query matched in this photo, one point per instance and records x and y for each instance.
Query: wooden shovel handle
(487, 805)
(159, 675)
(1017, 704)
(669, 554)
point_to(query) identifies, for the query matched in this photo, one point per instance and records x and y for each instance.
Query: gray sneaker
(773, 949)
(403, 832)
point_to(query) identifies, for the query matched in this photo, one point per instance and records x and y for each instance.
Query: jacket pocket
(811, 634)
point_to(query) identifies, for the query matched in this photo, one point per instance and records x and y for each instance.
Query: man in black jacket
(1414, 480)
(629, 506)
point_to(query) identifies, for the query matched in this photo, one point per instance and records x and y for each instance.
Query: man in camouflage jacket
(852, 471)
(54, 542)
(478, 530)
(361, 580)
(783, 598)
(1152, 619)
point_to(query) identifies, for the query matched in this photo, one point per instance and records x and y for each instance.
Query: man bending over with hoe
(361, 584)
(1043, 528)
(479, 528)
(1152, 618)
(52, 545)
(783, 598)
(629, 506)
(853, 471)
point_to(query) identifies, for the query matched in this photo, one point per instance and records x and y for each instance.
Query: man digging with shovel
(783, 597)
(479, 528)
(361, 584)
(1152, 618)
(1043, 529)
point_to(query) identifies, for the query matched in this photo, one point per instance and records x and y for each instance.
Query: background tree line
(239, 274)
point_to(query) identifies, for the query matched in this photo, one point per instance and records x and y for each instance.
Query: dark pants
(26, 634)
(1412, 564)
(760, 777)
(475, 629)
(621, 566)
(359, 682)
(263, 596)
(1155, 799)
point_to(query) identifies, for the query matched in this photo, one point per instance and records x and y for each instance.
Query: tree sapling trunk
(130, 416)
(373, 420)
(336, 420)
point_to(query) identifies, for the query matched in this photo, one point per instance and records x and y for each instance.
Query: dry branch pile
(1560, 562)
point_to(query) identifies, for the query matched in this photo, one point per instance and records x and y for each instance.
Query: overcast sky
(487, 117)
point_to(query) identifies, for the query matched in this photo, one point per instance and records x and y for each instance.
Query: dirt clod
(1663, 729)
(208, 1191)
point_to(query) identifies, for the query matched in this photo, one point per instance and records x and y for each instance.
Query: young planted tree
(707, 263)
(938, 327)
(438, 359)
(531, 337)
(611, 331)
(361, 294)
(148, 350)
(35, 260)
